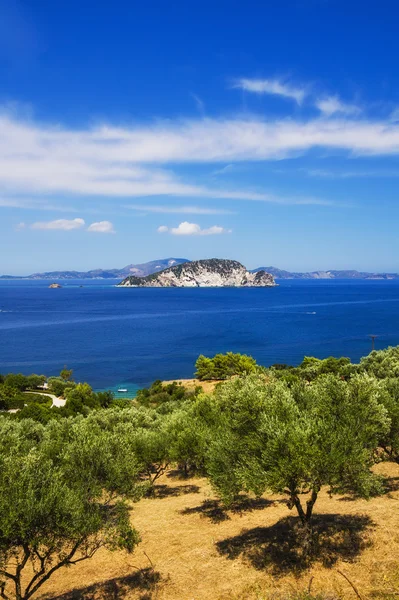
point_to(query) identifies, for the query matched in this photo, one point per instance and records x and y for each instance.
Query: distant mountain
(154, 266)
(349, 274)
(140, 270)
(213, 272)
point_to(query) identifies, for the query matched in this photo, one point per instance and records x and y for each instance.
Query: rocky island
(213, 272)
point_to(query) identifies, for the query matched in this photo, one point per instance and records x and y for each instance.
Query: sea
(126, 338)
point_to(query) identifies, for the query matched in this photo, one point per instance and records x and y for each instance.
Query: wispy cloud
(115, 162)
(186, 228)
(200, 104)
(331, 105)
(35, 204)
(275, 87)
(62, 224)
(346, 174)
(102, 227)
(394, 116)
(223, 170)
(179, 210)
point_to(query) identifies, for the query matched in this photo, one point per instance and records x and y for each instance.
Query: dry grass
(199, 551)
(191, 384)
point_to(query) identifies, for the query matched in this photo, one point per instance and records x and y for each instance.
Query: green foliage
(39, 412)
(61, 496)
(265, 437)
(35, 381)
(17, 381)
(66, 374)
(223, 366)
(81, 399)
(58, 386)
(65, 472)
(390, 399)
(152, 450)
(382, 363)
(165, 397)
(187, 439)
(10, 398)
(105, 399)
(30, 397)
(311, 368)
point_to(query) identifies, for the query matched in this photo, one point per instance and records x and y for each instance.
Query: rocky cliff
(214, 272)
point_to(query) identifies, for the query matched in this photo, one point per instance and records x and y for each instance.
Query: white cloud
(20, 226)
(186, 228)
(331, 105)
(114, 162)
(102, 227)
(275, 87)
(179, 210)
(63, 224)
(106, 160)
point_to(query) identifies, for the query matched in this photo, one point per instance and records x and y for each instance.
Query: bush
(34, 381)
(382, 363)
(165, 397)
(223, 366)
(57, 386)
(16, 381)
(14, 402)
(42, 399)
(38, 412)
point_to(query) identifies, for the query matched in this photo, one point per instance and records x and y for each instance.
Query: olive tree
(62, 497)
(268, 437)
(151, 447)
(187, 439)
(381, 363)
(389, 442)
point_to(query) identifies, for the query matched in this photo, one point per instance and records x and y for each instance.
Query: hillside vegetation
(287, 472)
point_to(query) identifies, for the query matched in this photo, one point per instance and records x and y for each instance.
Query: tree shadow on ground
(166, 491)
(391, 484)
(144, 581)
(279, 547)
(180, 474)
(216, 511)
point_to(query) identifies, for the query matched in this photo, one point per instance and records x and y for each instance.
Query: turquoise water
(121, 337)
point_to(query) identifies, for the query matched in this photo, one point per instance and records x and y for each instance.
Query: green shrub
(165, 397)
(223, 366)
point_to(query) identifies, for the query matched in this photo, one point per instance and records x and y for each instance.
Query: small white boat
(122, 390)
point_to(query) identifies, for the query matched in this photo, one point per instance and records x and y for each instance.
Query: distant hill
(349, 274)
(154, 266)
(139, 270)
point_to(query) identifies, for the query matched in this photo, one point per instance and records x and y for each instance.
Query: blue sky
(262, 131)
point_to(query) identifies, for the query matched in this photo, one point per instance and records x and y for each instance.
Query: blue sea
(120, 337)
